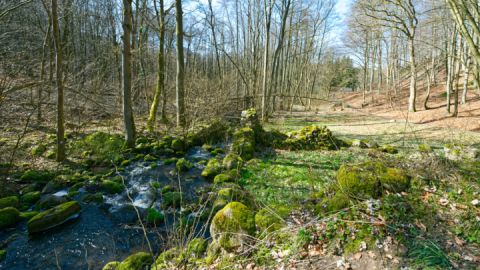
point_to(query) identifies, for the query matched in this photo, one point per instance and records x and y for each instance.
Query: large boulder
(137, 261)
(370, 179)
(11, 201)
(312, 138)
(49, 201)
(244, 143)
(9, 216)
(212, 169)
(233, 226)
(232, 161)
(54, 217)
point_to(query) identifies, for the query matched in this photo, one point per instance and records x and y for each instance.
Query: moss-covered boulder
(269, 220)
(30, 198)
(39, 149)
(149, 158)
(3, 254)
(178, 145)
(212, 169)
(387, 148)
(183, 165)
(9, 216)
(244, 143)
(28, 215)
(137, 261)
(93, 198)
(111, 187)
(425, 148)
(312, 138)
(172, 199)
(36, 176)
(217, 131)
(332, 204)
(104, 148)
(53, 217)
(111, 266)
(154, 216)
(232, 226)
(196, 247)
(370, 179)
(223, 178)
(232, 161)
(10, 201)
(167, 259)
(49, 201)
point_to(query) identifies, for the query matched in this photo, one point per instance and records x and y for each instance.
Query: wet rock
(178, 145)
(53, 217)
(111, 187)
(10, 201)
(125, 214)
(29, 199)
(3, 254)
(111, 266)
(93, 198)
(9, 216)
(232, 226)
(28, 215)
(51, 187)
(49, 201)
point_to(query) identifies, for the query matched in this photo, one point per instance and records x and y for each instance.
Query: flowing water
(102, 232)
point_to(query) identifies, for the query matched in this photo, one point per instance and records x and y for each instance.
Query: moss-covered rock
(154, 217)
(223, 178)
(217, 131)
(28, 215)
(3, 254)
(49, 201)
(111, 266)
(9, 216)
(51, 154)
(125, 163)
(370, 179)
(169, 161)
(183, 165)
(149, 158)
(30, 198)
(172, 199)
(93, 198)
(244, 143)
(104, 147)
(167, 188)
(197, 247)
(336, 203)
(232, 225)
(36, 176)
(311, 138)
(167, 259)
(424, 148)
(178, 145)
(137, 261)
(53, 217)
(390, 149)
(269, 220)
(212, 169)
(232, 161)
(111, 187)
(38, 150)
(10, 201)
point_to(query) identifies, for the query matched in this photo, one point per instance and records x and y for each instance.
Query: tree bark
(127, 74)
(180, 86)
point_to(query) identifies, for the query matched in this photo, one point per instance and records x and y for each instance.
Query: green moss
(166, 259)
(28, 215)
(103, 147)
(232, 161)
(9, 216)
(169, 161)
(268, 220)
(51, 154)
(244, 143)
(172, 199)
(95, 198)
(208, 134)
(111, 187)
(3, 254)
(137, 261)
(217, 151)
(36, 176)
(178, 145)
(207, 147)
(312, 137)
(395, 180)
(390, 149)
(11, 201)
(38, 150)
(230, 225)
(212, 169)
(360, 181)
(125, 163)
(336, 203)
(53, 217)
(222, 178)
(183, 165)
(154, 216)
(425, 148)
(149, 158)
(111, 266)
(167, 189)
(196, 247)
(30, 197)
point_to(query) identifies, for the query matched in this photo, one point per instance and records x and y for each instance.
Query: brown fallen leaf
(459, 241)
(357, 256)
(420, 225)
(372, 254)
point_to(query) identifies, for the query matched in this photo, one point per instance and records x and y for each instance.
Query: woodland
(239, 134)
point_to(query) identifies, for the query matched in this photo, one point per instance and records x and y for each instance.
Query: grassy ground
(432, 226)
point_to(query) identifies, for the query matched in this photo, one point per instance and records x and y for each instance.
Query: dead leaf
(420, 225)
(459, 241)
(443, 202)
(357, 256)
(372, 254)
(389, 256)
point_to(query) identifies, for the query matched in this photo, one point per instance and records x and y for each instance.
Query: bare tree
(127, 74)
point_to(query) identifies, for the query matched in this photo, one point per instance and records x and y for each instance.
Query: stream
(103, 232)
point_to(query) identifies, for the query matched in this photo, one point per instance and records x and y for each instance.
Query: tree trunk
(413, 79)
(180, 87)
(127, 74)
(60, 87)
